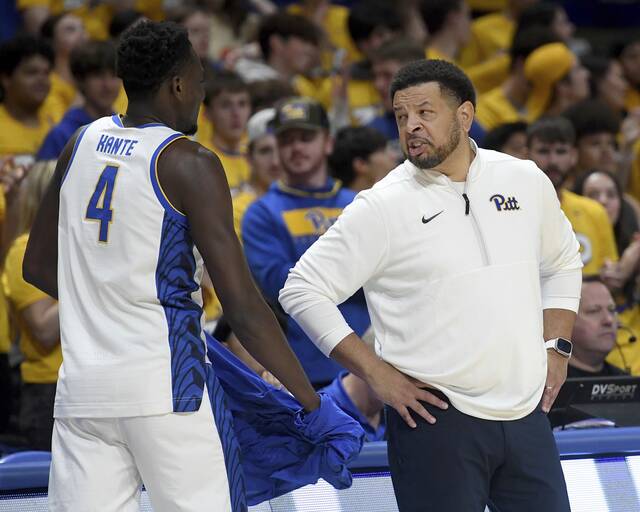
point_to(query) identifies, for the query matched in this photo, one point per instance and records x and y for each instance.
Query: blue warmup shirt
(336, 391)
(271, 445)
(276, 231)
(58, 136)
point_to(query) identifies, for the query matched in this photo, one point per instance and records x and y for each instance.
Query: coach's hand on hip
(556, 375)
(403, 393)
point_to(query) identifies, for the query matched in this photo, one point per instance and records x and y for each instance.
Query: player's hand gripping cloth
(282, 447)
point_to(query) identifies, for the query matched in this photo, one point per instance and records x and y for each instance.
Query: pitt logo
(293, 111)
(511, 203)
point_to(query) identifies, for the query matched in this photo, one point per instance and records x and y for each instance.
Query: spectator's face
(69, 33)
(383, 73)
(516, 145)
(579, 82)
(301, 55)
(630, 60)
(378, 37)
(595, 330)
(613, 86)
(462, 23)
(598, 151)
(29, 84)
(600, 186)
(304, 152)
(199, 27)
(428, 124)
(229, 112)
(561, 26)
(264, 160)
(101, 89)
(379, 164)
(556, 159)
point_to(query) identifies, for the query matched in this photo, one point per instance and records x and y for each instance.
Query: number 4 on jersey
(99, 207)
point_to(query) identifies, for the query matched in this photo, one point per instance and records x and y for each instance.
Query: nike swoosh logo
(424, 221)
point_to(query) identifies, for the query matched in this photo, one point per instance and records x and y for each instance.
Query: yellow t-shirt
(593, 230)
(634, 179)
(121, 103)
(96, 19)
(62, 96)
(490, 34)
(241, 202)
(632, 99)
(235, 165)
(628, 354)
(494, 109)
(485, 75)
(40, 364)
(17, 138)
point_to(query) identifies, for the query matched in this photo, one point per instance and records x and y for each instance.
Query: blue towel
(282, 447)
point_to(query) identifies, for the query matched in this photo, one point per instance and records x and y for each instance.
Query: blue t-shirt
(336, 391)
(60, 134)
(277, 229)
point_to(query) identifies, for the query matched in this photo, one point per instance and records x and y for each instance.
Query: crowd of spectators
(297, 109)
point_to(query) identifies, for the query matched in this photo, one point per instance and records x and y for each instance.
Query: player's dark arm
(195, 183)
(40, 265)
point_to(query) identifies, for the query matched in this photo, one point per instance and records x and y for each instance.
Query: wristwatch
(561, 345)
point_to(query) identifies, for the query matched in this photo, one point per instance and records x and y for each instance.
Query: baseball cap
(300, 113)
(544, 67)
(259, 124)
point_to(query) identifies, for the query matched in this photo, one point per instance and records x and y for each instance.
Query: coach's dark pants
(463, 463)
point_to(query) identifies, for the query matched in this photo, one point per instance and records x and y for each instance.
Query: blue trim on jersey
(116, 119)
(153, 169)
(73, 153)
(175, 285)
(230, 447)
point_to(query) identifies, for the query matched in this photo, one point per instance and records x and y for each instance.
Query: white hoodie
(455, 293)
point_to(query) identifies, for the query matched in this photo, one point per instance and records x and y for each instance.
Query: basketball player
(134, 208)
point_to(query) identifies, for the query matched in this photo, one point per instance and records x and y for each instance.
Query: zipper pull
(467, 204)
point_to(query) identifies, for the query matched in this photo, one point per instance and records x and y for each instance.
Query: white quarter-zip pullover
(456, 277)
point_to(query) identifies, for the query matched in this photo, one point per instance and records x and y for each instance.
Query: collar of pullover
(430, 177)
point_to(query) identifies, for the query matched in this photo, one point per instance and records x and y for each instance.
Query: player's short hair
(496, 139)
(451, 79)
(219, 81)
(434, 13)
(592, 116)
(20, 48)
(401, 50)
(351, 143)
(552, 130)
(365, 17)
(286, 25)
(91, 58)
(150, 53)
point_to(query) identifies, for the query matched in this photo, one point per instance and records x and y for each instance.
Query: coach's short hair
(150, 53)
(451, 79)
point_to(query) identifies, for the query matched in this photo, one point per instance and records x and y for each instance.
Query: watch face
(564, 345)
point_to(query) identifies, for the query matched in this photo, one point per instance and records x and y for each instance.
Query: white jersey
(128, 281)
